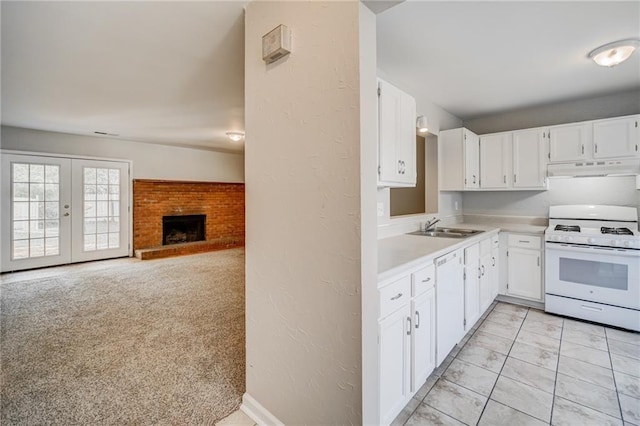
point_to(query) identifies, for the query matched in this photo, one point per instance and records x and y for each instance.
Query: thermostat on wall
(276, 44)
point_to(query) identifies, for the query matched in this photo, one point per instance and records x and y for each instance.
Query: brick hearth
(222, 203)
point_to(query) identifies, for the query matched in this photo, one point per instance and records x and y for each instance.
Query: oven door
(596, 274)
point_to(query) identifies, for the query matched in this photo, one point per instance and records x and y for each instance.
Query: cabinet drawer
(395, 295)
(423, 280)
(524, 241)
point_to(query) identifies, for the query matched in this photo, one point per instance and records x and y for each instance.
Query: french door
(62, 210)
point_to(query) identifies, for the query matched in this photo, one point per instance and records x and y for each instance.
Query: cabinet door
(495, 272)
(616, 137)
(529, 158)
(485, 282)
(525, 277)
(396, 136)
(407, 139)
(569, 142)
(389, 113)
(471, 159)
(494, 160)
(471, 286)
(394, 354)
(423, 344)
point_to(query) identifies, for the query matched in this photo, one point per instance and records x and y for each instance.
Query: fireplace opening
(183, 229)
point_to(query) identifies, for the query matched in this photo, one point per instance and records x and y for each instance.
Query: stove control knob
(555, 238)
(591, 240)
(627, 243)
(615, 243)
(569, 239)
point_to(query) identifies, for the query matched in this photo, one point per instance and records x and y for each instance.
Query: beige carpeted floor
(124, 342)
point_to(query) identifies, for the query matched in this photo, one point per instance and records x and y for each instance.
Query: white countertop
(401, 252)
(520, 228)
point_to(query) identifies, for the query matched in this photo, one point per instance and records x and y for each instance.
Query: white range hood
(623, 167)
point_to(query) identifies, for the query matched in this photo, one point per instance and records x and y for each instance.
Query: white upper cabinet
(495, 152)
(458, 160)
(569, 142)
(616, 137)
(471, 159)
(529, 158)
(396, 137)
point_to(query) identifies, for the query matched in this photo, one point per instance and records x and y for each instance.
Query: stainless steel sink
(447, 233)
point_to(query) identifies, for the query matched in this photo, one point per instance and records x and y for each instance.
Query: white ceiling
(173, 72)
(166, 72)
(479, 58)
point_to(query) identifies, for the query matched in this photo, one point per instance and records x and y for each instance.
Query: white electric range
(592, 257)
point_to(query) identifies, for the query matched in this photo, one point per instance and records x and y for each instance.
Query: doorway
(62, 210)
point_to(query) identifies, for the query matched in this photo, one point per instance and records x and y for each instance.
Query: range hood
(623, 167)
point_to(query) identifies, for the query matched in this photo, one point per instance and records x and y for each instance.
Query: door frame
(86, 157)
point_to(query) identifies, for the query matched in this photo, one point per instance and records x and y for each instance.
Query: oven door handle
(591, 249)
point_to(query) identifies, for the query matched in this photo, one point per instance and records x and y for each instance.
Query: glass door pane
(102, 191)
(35, 199)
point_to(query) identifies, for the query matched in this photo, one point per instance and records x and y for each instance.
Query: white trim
(257, 412)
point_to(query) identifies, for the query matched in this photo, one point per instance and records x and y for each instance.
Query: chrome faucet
(430, 224)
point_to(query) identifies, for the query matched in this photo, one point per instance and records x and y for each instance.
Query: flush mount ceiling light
(235, 136)
(421, 124)
(614, 53)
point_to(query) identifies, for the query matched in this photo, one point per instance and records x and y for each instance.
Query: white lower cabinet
(423, 338)
(406, 332)
(486, 275)
(471, 286)
(395, 360)
(524, 265)
(495, 267)
(422, 317)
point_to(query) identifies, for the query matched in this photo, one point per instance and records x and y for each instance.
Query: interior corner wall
(592, 108)
(150, 161)
(303, 204)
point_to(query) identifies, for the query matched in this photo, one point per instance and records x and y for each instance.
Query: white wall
(593, 108)
(303, 223)
(150, 161)
(613, 190)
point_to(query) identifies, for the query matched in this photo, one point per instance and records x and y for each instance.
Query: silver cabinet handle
(524, 241)
(479, 275)
(515, 179)
(397, 296)
(596, 147)
(417, 319)
(427, 280)
(474, 179)
(66, 214)
(538, 260)
(583, 149)
(494, 261)
(483, 270)
(504, 179)
(409, 328)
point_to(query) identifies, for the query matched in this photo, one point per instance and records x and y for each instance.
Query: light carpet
(124, 342)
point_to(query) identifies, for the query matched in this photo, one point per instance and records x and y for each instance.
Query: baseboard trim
(518, 301)
(257, 412)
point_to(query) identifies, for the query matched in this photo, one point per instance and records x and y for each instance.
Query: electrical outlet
(380, 209)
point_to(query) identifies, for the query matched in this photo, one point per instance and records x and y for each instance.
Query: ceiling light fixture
(421, 124)
(614, 53)
(235, 136)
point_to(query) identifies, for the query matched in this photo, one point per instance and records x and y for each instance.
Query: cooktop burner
(568, 228)
(616, 231)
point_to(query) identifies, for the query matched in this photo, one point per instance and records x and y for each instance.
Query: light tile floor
(521, 366)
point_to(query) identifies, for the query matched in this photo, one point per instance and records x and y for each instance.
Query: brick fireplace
(221, 204)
